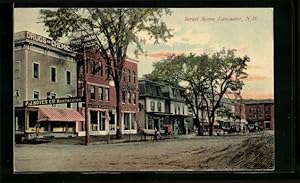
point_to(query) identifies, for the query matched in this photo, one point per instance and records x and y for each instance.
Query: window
(53, 96)
(92, 92)
(124, 76)
(107, 94)
(100, 71)
(107, 70)
(134, 98)
(68, 73)
(36, 70)
(102, 120)
(126, 121)
(132, 125)
(36, 95)
(100, 93)
(129, 97)
(134, 77)
(159, 106)
(129, 76)
(94, 120)
(69, 104)
(17, 69)
(123, 97)
(53, 74)
(152, 105)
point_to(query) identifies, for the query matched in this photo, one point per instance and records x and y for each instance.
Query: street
(239, 152)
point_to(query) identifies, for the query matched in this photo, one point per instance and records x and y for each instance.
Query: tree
(113, 30)
(186, 74)
(204, 79)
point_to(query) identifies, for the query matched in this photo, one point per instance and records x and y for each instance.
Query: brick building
(257, 112)
(102, 96)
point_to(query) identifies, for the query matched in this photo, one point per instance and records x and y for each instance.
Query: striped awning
(56, 114)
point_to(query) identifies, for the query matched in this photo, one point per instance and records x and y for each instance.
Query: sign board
(53, 101)
(101, 106)
(47, 41)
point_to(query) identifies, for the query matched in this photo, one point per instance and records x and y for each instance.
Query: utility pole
(87, 125)
(80, 45)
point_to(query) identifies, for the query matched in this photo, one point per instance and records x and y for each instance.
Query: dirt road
(184, 153)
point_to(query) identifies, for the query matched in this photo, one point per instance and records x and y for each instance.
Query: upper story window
(92, 92)
(53, 74)
(159, 106)
(18, 69)
(36, 95)
(100, 93)
(100, 71)
(129, 97)
(123, 97)
(134, 76)
(134, 98)
(68, 75)
(124, 75)
(107, 94)
(107, 70)
(36, 70)
(129, 76)
(152, 105)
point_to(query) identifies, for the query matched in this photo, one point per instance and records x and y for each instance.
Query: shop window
(94, 120)
(102, 120)
(132, 126)
(36, 70)
(159, 106)
(126, 121)
(107, 94)
(129, 122)
(68, 75)
(53, 74)
(36, 95)
(152, 105)
(92, 92)
(111, 121)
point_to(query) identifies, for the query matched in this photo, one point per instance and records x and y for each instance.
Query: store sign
(53, 101)
(101, 106)
(128, 108)
(47, 41)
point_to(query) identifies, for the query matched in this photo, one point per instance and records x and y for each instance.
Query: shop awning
(56, 114)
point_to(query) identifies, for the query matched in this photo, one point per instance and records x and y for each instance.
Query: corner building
(45, 68)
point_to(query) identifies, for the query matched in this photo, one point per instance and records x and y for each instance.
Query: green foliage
(205, 78)
(113, 28)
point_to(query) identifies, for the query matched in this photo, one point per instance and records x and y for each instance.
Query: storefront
(62, 121)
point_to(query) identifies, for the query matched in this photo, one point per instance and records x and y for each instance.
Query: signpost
(53, 101)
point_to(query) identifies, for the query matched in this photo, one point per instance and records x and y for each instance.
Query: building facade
(102, 96)
(259, 113)
(160, 105)
(44, 69)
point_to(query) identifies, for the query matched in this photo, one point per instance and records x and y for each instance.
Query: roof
(56, 114)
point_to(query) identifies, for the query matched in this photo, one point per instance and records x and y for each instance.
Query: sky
(203, 30)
